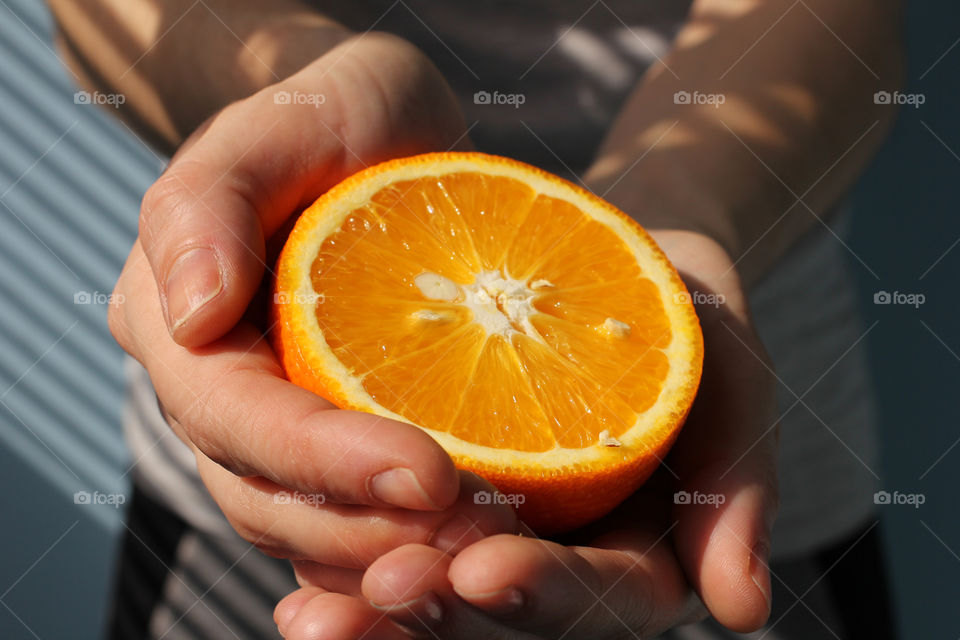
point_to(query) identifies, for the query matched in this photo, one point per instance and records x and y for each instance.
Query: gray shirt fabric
(574, 64)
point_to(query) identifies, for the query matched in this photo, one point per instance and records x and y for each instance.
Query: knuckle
(203, 424)
(164, 200)
(303, 443)
(221, 430)
(301, 446)
(252, 518)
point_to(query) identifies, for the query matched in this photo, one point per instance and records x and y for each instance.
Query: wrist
(274, 52)
(271, 52)
(382, 96)
(663, 197)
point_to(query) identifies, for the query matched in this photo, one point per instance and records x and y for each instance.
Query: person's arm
(798, 120)
(177, 62)
(786, 121)
(180, 303)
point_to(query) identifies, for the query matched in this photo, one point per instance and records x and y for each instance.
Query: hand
(650, 565)
(199, 260)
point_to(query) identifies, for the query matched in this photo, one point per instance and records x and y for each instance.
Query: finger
(203, 223)
(299, 526)
(326, 576)
(233, 403)
(726, 462)
(315, 614)
(410, 585)
(287, 609)
(203, 238)
(633, 589)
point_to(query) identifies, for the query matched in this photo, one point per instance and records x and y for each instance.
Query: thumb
(728, 480)
(234, 183)
(204, 241)
(723, 540)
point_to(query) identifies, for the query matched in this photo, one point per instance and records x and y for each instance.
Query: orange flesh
(563, 386)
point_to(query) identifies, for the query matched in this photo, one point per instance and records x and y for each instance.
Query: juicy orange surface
(528, 325)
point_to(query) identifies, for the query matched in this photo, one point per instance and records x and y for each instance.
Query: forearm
(797, 122)
(177, 63)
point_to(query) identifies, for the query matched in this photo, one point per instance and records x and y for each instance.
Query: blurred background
(71, 178)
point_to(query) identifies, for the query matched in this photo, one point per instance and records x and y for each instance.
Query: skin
(649, 558)
(725, 192)
(253, 432)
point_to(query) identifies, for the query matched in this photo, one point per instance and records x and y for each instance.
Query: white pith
(500, 304)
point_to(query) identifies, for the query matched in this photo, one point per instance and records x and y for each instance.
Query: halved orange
(534, 330)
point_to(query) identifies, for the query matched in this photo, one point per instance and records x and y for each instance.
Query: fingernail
(427, 610)
(759, 569)
(400, 488)
(502, 602)
(192, 282)
(456, 534)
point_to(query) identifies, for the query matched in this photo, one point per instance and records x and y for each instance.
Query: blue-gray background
(70, 182)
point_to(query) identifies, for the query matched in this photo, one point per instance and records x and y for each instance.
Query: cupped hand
(694, 540)
(367, 484)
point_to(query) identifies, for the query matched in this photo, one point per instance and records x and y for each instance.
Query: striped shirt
(574, 64)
